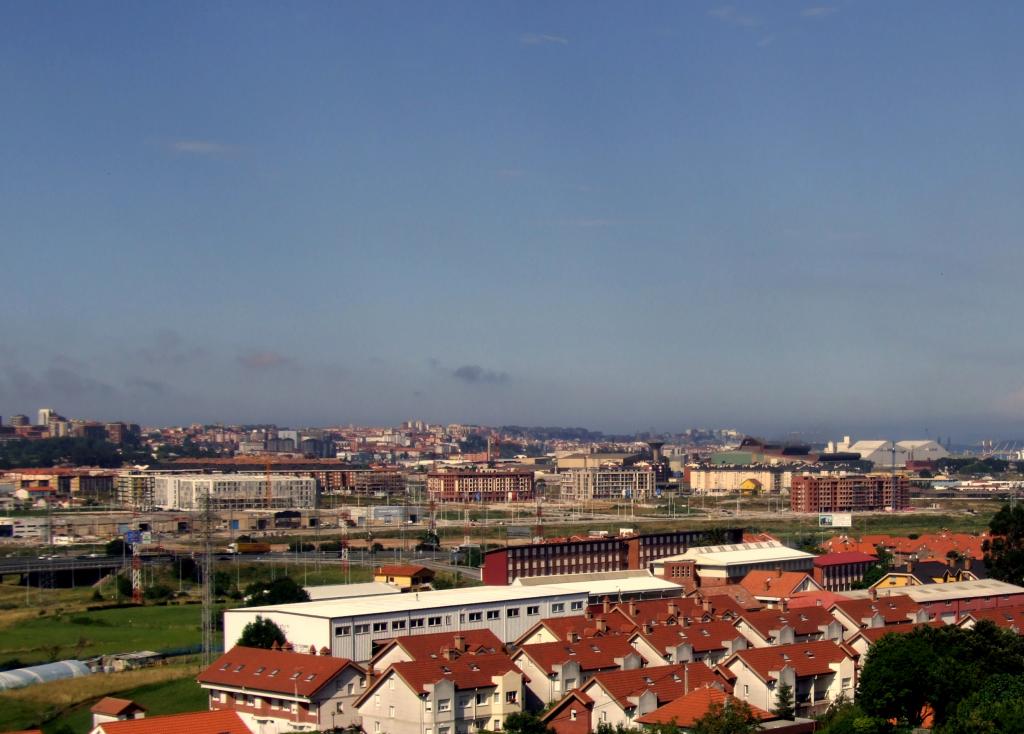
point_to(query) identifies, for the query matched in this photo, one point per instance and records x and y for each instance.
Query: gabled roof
(575, 695)
(895, 609)
(803, 621)
(591, 654)
(275, 671)
(805, 658)
(774, 584)
(466, 672)
(432, 646)
(873, 634)
(200, 722)
(666, 682)
(1005, 617)
(686, 710)
(110, 706)
(729, 600)
(562, 627)
(703, 637)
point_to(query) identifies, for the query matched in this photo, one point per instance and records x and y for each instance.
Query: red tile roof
(431, 646)
(591, 654)
(666, 681)
(111, 706)
(895, 609)
(732, 598)
(201, 722)
(773, 583)
(703, 636)
(874, 634)
(804, 621)
(274, 671)
(805, 658)
(686, 710)
(838, 559)
(1005, 617)
(468, 671)
(815, 599)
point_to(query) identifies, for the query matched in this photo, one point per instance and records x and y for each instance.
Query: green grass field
(172, 697)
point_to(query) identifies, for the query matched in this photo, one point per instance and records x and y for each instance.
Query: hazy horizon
(795, 217)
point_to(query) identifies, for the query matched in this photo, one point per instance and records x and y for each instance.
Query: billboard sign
(133, 537)
(835, 520)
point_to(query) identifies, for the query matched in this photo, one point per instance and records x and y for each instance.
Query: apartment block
(487, 485)
(849, 492)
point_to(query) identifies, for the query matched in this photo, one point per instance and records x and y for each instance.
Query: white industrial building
(349, 627)
(756, 479)
(721, 564)
(881, 452)
(233, 491)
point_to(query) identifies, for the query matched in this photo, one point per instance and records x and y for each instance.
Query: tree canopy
(1004, 551)
(734, 717)
(279, 591)
(261, 633)
(523, 722)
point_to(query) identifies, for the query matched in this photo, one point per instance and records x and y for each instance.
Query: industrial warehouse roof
(941, 592)
(739, 554)
(396, 603)
(348, 591)
(572, 578)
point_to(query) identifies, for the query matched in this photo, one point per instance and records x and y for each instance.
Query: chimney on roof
(873, 592)
(686, 621)
(572, 637)
(910, 566)
(784, 605)
(951, 561)
(648, 627)
(312, 649)
(633, 611)
(686, 678)
(706, 604)
(448, 654)
(288, 647)
(673, 609)
(588, 615)
(602, 625)
(460, 642)
(817, 602)
(778, 570)
(767, 584)
(324, 651)
(967, 563)
(606, 605)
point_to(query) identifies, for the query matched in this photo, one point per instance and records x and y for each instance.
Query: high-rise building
(233, 491)
(486, 485)
(19, 420)
(45, 414)
(607, 483)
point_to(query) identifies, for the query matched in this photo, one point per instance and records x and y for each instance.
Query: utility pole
(207, 580)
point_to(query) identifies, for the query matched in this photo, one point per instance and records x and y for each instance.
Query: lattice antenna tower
(207, 580)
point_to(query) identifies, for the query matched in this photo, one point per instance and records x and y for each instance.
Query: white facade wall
(714, 480)
(588, 484)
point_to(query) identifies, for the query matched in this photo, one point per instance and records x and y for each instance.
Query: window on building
(362, 629)
(557, 608)
(398, 624)
(391, 712)
(493, 613)
(414, 623)
(444, 704)
(351, 689)
(376, 700)
(342, 630)
(532, 611)
(576, 606)
(475, 616)
(376, 726)
(433, 621)
(380, 626)
(481, 699)
(512, 612)
(391, 683)
(572, 715)
(511, 696)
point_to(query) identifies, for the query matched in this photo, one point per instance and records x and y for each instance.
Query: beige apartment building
(607, 483)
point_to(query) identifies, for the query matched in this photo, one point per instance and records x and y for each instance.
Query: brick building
(485, 485)
(849, 492)
(590, 555)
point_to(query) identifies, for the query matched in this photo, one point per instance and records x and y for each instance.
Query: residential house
(920, 573)
(685, 711)
(278, 691)
(707, 642)
(818, 672)
(197, 722)
(770, 588)
(405, 577)
(435, 646)
(785, 626)
(468, 694)
(856, 614)
(553, 668)
(841, 571)
(1010, 618)
(115, 709)
(621, 696)
(574, 628)
(862, 640)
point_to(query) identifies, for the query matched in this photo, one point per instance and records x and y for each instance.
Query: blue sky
(778, 217)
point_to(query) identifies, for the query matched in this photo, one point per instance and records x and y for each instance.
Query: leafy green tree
(845, 717)
(785, 705)
(524, 722)
(996, 708)
(733, 717)
(896, 682)
(1004, 551)
(124, 586)
(279, 591)
(116, 547)
(604, 727)
(261, 633)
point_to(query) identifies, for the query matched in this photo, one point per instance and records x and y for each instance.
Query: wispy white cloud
(729, 14)
(819, 11)
(538, 39)
(201, 147)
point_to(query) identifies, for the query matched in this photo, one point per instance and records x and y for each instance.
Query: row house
(707, 642)
(784, 626)
(620, 697)
(553, 668)
(436, 646)
(277, 691)
(861, 641)
(194, 722)
(856, 614)
(468, 694)
(685, 711)
(818, 672)
(1010, 618)
(573, 629)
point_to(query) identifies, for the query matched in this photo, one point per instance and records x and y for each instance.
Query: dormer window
(259, 670)
(274, 672)
(239, 668)
(225, 666)
(295, 675)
